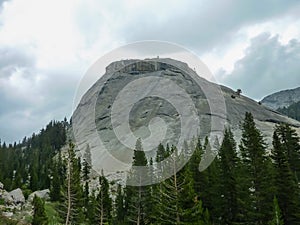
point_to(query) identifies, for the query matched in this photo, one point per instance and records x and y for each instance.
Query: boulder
(8, 214)
(17, 196)
(43, 194)
(6, 196)
(1, 186)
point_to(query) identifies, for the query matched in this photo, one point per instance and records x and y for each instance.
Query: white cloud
(46, 46)
(268, 66)
(223, 58)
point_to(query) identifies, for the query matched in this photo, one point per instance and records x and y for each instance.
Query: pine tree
(188, 200)
(256, 177)
(136, 196)
(156, 194)
(228, 189)
(139, 158)
(277, 216)
(150, 190)
(104, 202)
(85, 176)
(170, 211)
(291, 144)
(55, 189)
(73, 204)
(160, 156)
(208, 181)
(61, 169)
(39, 215)
(34, 172)
(178, 202)
(200, 215)
(194, 166)
(119, 207)
(161, 153)
(86, 169)
(92, 209)
(287, 191)
(204, 178)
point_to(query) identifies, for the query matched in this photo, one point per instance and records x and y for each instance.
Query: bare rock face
(6, 197)
(17, 196)
(282, 99)
(95, 108)
(43, 194)
(8, 214)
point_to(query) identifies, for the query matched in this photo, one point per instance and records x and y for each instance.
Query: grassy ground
(7, 221)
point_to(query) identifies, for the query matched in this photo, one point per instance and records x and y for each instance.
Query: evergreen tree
(85, 176)
(208, 181)
(179, 203)
(150, 190)
(34, 172)
(228, 189)
(170, 211)
(119, 207)
(287, 191)
(256, 176)
(188, 201)
(61, 169)
(139, 157)
(200, 216)
(277, 216)
(136, 196)
(27, 164)
(92, 214)
(86, 170)
(104, 202)
(39, 215)
(291, 144)
(194, 166)
(204, 178)
(73, 204)
(156, 189)
(33, 179)
(55, 189)
(161, 153)
(17, 180)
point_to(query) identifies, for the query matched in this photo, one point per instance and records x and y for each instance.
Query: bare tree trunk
(69, 191)
(176, 191)
(139, 205)
(101, 210)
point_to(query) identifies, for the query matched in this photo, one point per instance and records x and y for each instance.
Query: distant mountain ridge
(281, 99)
(292, 111)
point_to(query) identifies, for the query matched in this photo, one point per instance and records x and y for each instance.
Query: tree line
(27, 164)
(247, 183)
(292, 111)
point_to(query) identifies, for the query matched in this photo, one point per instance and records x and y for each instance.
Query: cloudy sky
(47, 46)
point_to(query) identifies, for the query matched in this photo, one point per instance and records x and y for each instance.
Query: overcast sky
(47, 46)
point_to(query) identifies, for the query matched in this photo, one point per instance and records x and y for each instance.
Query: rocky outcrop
(94, 112)
(43, 194)
(14, 206)
(282, 98)
(6, 197)
(17, 196)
